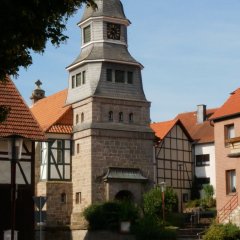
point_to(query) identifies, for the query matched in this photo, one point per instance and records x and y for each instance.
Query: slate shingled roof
(52, 114)
(107, 8)
(105, 51)
(230, 108)
(201, 133)
(20, 121)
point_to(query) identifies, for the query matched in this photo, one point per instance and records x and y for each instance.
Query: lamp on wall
(163, 189)
(14, 154)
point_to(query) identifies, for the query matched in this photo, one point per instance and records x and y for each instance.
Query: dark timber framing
(174, 159)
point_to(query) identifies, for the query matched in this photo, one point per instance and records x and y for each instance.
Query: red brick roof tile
(201, 133)
(161, 129)
(52, 113)
(19, 121)
(230, 107)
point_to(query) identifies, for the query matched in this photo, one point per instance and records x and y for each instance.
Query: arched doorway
(124, 195)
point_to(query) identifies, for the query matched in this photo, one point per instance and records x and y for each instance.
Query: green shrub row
(222, 232)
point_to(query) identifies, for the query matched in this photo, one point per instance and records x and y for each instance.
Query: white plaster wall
(206, 171)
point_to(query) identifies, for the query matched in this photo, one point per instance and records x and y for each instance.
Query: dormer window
(87, 34)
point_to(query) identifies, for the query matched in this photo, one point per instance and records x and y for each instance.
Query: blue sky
(190, 50)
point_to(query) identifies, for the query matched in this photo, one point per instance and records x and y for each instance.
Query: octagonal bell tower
(112, 138)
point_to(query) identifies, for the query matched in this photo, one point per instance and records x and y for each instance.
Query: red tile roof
(201, 133)
(161, 129)
(230, 107)
(52, 114)
(19, 121)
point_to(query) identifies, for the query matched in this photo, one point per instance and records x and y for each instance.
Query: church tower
(112, 139)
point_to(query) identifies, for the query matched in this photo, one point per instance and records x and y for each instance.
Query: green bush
(150, 228)
(175, 219)
(152, 201)
(95, 216)
(193, 203)
(106, 216)
(222, 232)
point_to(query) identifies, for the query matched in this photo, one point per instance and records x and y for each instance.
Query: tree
(27, 25)
(152, 201)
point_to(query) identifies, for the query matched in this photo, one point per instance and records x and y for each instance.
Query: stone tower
(112, 139)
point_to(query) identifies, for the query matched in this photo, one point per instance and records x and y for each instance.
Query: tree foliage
(152, 201)
(27, 25)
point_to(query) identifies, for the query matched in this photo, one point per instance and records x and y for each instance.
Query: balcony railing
(234, 145)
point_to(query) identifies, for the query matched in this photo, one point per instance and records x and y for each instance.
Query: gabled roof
(52, 114)
(230, 108)
(19, 121)
(201, 133)
(161, 129)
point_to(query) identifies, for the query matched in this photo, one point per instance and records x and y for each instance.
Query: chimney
(37, 93)
(201, 113)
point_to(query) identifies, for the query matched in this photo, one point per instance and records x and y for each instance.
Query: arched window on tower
(130, 117)
(77, 119)
(82, 117)
(110, 116)
(120, 117)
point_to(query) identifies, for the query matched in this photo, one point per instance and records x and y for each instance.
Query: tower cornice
(125, 22)
(71, 67)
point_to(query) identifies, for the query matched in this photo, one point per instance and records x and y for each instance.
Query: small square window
(119, 76)
(109, 75)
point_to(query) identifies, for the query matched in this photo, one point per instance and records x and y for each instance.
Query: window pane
(78, 79)
(83, 77)
(130, 77)
(87, 34)
(230, 133)
(231, 181)
(109, 75)
(119, 76)
(73, 81)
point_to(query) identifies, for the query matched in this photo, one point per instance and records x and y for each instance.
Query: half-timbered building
(173, 158)
(18, 132)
